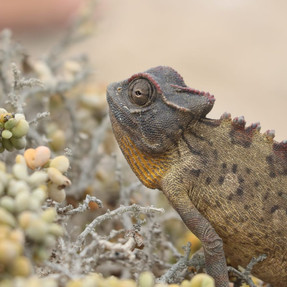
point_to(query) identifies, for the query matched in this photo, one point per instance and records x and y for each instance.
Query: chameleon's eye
(141, 92)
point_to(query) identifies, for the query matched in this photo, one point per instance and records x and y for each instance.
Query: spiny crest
(189, 90)
(270, 134)
(239, 133)
(225, 116)
(280, 148)
(243, 135)
(239, 123)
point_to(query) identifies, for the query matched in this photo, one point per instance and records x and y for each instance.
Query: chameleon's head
(153, 108)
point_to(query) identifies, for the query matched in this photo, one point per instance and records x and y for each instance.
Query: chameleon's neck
(149, 169)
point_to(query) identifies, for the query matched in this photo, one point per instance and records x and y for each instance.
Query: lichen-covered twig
(115, 233)
(172, 275)
(179, 270)
(135, 209)
(8, 50)
(172, 248)
(126, 248)
(247, 272)
(38, 117)
(69, 210)
(59, 268)
(19, 83)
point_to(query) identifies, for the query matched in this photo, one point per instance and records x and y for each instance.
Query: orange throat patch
(149, 169)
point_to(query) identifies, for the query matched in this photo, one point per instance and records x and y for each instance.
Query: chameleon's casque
(228, 182)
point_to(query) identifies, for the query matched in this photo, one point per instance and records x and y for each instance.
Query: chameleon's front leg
(212, 244)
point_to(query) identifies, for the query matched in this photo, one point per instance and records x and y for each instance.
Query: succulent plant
(13, 129)
(22, 219)
(50, 170)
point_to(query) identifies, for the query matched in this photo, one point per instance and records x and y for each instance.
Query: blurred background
(237, 50)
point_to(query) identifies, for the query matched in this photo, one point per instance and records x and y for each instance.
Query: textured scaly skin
(227, 182)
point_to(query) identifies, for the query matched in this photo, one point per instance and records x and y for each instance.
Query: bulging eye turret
(141, 92)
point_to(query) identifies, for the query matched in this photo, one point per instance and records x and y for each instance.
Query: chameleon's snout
(111, 95)
(110, 90)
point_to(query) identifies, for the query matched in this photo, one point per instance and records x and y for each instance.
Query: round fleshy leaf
(37, 157)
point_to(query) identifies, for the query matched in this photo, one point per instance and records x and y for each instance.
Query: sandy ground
(235, 49)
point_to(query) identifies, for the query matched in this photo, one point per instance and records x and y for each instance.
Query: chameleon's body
(226, 181)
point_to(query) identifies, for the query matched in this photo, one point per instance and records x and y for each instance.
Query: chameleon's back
(242, 190)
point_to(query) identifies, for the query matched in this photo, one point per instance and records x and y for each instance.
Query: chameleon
(227, 181)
